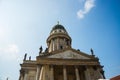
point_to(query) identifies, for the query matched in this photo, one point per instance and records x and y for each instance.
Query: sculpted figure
(30, 58)
(25, 56)
(41, 49)
(46, 50)
(92, 52)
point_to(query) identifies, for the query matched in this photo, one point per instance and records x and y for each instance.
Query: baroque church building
(60, 61)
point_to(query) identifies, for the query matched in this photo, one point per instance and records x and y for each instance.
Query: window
(61, 47)
(60, 31)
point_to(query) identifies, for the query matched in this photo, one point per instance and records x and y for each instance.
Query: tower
(60, 61)
(58, 39)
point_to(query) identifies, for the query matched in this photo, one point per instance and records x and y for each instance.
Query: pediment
(69, 54)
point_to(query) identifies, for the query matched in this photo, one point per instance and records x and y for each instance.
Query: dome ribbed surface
(58, 26)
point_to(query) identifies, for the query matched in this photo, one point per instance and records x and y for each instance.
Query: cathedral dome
(58, 29)
(58, 26)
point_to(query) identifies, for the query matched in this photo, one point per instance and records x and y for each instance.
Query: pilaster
(38, 72)
(77, 73)
(26, 75)
(51, 72)
(87, 74)
(64, 73)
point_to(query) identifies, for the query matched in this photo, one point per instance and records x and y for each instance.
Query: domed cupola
(58, 29)
(58, 39)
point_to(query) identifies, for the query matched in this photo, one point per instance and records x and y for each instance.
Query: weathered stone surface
(68, 55)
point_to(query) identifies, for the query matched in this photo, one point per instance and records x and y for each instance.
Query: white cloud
(13, 48)
(88, 5)
(10, 52)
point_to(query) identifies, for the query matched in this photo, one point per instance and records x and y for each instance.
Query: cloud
(13, 48)
(9, 52)
(88, 5)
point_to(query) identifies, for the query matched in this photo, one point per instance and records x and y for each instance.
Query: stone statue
(41, 49)
(46, 50)
(7, 78)
(58, 22)
(30, 58)
(92, 52)
(78, 49)
(25, 56)
(102, 72)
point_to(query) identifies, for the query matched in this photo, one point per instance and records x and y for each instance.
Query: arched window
(60, 31)
(67, 42)
(61, 47)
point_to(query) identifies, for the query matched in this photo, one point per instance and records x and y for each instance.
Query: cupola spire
(58, 22)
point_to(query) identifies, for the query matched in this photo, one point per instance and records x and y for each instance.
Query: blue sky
(26, 24)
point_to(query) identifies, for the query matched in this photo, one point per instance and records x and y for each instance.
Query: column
(21, 78)
(77, 73)
(87, 74)
(38, 72)
(51, 72)
(51, 45)
(21, 75)
(26, 75)
(57, 43)
(64, 73)
(49, 48)
(41, 73)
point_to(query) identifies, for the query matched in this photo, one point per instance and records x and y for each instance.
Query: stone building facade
(60, 61)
